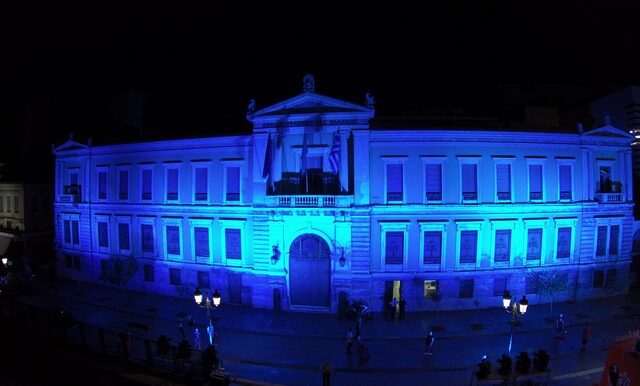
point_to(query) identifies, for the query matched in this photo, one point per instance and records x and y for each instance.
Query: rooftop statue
(370, 100)
(309, 83)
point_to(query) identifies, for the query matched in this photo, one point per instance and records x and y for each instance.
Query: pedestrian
(560, 327)
(196, 339)
(189, 321)
(326, 373)
(349, 341)
(403, 306)
(181, 329)
(428, 343)
(211, 332)
(586, 334)
(392, 308)
(358, 326)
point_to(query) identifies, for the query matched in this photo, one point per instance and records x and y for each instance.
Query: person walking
(392, 308)
(402, 305)
(358, 327)
(197, 344)
(326, 373)
(560, 327)
(586, 334)
(349, 341)
(428, 343)
(181, 329)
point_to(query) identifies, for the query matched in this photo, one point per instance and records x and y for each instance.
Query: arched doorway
(309, 272)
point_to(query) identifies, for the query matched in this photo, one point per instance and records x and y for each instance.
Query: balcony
(604, 198)
(316, 182)
(71, 194)
(310, 201)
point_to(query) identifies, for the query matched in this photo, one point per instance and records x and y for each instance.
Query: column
(344, 161)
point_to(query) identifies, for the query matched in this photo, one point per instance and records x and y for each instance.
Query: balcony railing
(71, 193)
(609, 197)
(311, 201)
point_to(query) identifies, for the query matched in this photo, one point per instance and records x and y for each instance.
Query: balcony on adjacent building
(604, 198)
(71, 193)
(609, 191)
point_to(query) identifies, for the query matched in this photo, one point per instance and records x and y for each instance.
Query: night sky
(153, 70)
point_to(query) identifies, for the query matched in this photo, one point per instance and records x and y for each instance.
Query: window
(201, 184)
(233, 244)
(203, 279)
(233, 183)
(147, 184)
(174, 276)
(172, 184)
(613, 240)
(563, 248)
(67, 231)
(149, 274)
(71, 232)
(606, 177)
(607, 238)
(531, 285)
(601, 243)
(598, 278)
(123, 184)
(102, 185)
(201, 240)
(394, 183)
(465, 289)
(7, 202)
(103, 234)
(468, 246)
(469, 177)
(499, 286)
(433, 182)
(432, 247)
(394, 247)
(611, 278)
(430, 288)
(173, 240)
(535, 182)
(564, 176)
(146, 233)
(502, 251)
(534, 244)
(503, 182)
(123, 237)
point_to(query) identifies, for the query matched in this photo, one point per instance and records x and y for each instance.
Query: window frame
(468, 226)
(503, 160)
(570, 162)
(102, 169)
(125, 169)
(432, 160)
(167, 222)
(393, 227)
(535, 224)
(469, 160)
(147, 220)
(499, 225)
(102, 218)
(171, 166)
(608, 222)
(201, 223)
(226, 164)
(433, 227)
(402, 161)
(124, 220)
(541, 161)
(564, 223)
(195, 165)
(233, 224)
(142, 168)
(72, 244)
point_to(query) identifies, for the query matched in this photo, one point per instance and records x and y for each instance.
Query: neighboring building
(316, 206)
(26, 223)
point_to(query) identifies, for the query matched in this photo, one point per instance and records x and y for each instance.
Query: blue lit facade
(345, 210)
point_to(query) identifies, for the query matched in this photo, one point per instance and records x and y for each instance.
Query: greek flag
(334, 155)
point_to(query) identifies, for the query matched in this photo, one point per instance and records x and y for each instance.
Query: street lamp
(516, 310)
(208, 304)
(5, 261)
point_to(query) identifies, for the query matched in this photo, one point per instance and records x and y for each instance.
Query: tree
(549, 283)
(119, 271)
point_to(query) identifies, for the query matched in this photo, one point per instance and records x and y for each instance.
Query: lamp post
(516, 310)
(208, 304)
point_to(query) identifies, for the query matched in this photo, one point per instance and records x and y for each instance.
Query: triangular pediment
(310, 105)
(70, 145)
(608, 131)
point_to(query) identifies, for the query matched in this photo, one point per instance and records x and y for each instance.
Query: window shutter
(503, 245)
(432, 247)
(201, 236)
(172, 184)
(123, 236)
(201, 184)
(233, 183)
(147, 237)
(102, 185)
(173, 240)
(564, 172)
(394, 247)
(75, 233)
(468, 246)
(535, 182)
(67, 231)
(394, 182)
(433, 181)
(233, 244)
(601, 245)
(73, 178)
(613, 240)
(503, 181)
(564, 243)
(103, 235)
(469, 181)
(534, 241)
(146, 184)
(124, 184)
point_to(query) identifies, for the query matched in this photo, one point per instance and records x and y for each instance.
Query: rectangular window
(147, 184)
(598, 279)
(564, 243)
(201, 238)
(503, 246)
(7, 201)
(75, 233)
(201, 184)
(466, 289)
(468, 246)
(531, 285)
(613, 240)
(430, 288)
(535, 182)
(174, 276)
(103, 235)
(123, 185)
(68, 261)
(233, 183)
(432, 247)
(394, 247)
(433, 182)
(233, 244)
(499, 286)
(564, 173)
(16, 204)
(173, 240)
(203, 279)
(149, 275)
(146, 232)
(172, 184)
(611, 278)
(67, 231)
(534, 244)
(102, 185)
(394, 183)
(601, 242)
(123, 236)
(73, 178)
(469, 182)
(503, 182)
